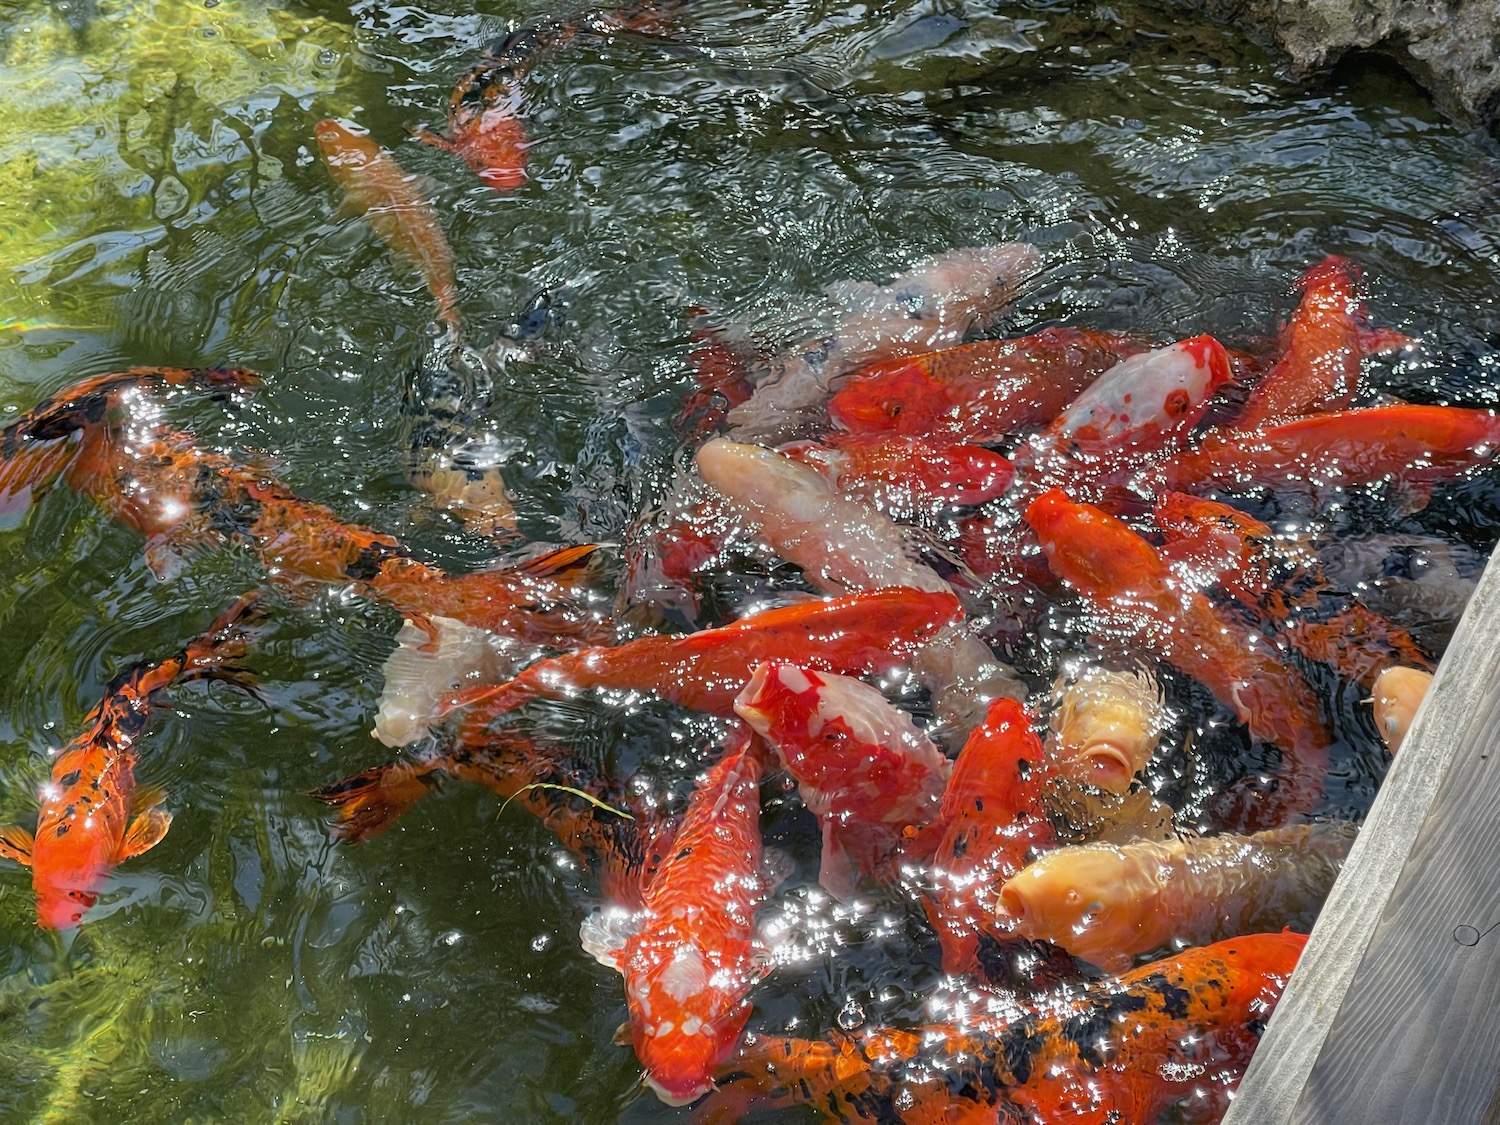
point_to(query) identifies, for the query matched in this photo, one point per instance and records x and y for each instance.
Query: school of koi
(937, 498)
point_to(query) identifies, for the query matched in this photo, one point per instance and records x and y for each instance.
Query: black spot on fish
(1091, 1028)
(1018, 1049)
(367, 565)
(62, 829)
(1175, 1002)
(70, 779)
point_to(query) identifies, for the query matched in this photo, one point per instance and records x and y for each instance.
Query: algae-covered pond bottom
(164, 205)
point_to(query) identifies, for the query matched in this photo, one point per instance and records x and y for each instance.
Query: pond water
(163, 204)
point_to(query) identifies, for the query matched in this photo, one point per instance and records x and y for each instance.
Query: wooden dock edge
(1297, 1032)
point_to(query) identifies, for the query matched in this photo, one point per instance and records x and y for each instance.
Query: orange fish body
(853, 635)
(1119, 1054)
(862, 766)
(85, 827)
(1123, 575)
(1323, 348)
(379, 188)
(907, 474)
(981, 391)
(992, 818)
(689, 962)
(1413, 447)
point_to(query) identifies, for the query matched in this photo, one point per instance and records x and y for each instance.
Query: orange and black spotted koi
(34, 448)
(159, 482)
(622, 848)
(1119, 1053)
(85, 827)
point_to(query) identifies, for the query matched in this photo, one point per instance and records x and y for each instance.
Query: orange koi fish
(613, 845)
(992, 818)
(376, 185)
(688, 955)
(859, 634)
(906, 475)
(1412, 447)
(1323, 348)
(93, 817)
(158, 482)
(33, 452)
(1119, 1054)
(981, 391)
(1397, 694)
(1284, 588)
(862, 766)
(1125, 577)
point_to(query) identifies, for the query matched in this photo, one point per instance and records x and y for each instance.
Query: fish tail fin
(369, 802)
(566, 565)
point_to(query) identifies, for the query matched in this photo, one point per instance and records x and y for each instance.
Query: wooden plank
(1391, 1015)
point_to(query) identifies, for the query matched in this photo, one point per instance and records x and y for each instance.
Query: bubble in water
(450, 939)
(851, 1015)
(328, 57)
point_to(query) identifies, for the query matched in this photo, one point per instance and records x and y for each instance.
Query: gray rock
(1452, 47)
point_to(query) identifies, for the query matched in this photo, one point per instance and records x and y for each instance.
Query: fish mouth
(1010, 909)
(677, 1097)
(1107, 766)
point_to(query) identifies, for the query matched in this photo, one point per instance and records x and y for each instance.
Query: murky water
(162, 204)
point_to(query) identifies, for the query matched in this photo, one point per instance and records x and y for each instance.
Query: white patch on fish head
(686, 974)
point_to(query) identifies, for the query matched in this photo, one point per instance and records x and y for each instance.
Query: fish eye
(1178, 402)
(894, 410)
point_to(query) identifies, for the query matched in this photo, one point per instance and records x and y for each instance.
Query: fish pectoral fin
(604, 933)
(145, 833)
(566, 564)
(621, 1037)
(146, 797)
(16, 843)
(165, 557)
(426, 136)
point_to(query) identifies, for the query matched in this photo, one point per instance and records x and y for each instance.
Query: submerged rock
(1451, 47)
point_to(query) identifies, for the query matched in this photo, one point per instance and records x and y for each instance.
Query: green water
(160, 203)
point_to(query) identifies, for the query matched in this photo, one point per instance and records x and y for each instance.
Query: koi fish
(688, 954)
(859, 634)
(982, 391)
(1141, 403)
(906, 476)
(1410, 447)
(1108, 905)
(1283, 586)
(1123, 1051)
(158, 482)
(1124, 577)
(590, 816)
(1397, 694)
(93, 817)
(1105, 726)
(992, 817)
(1323, 348)
(862, 766)
(33, 452)
(931, 307)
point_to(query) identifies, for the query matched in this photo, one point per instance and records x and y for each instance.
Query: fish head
(896, 396)
(339, 145)
(64, 893)
(765, 481)
(1086, 899)
(493, 143)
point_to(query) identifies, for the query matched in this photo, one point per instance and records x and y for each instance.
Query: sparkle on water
(165, 206)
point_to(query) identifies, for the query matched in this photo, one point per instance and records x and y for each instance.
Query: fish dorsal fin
(566, 564)
(16, 843)
(145, 832)
(604, 933)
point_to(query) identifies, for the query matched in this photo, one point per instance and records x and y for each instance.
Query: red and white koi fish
(688, 955)
(1322, 350)
(1142, 403)
(992, 818)
(984, 391)
(93, 817)
(1409, 447)
(862, 766)
(1124, 577)
(931, 307)
(1121, 1053)
(856, 635)
(376, 186)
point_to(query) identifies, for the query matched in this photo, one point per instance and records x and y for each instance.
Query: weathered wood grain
(1392, 1015)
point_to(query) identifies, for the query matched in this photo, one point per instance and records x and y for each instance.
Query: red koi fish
(1143, 402)
(992, 818)
(376, 185)
(1412, 447)
(33, 448)
(981, 391)
(610, 841)
(1125, 577)
(158, 482)
(862, 766)
(689, 960)
(485, 128)
(93, 817)
(859, 634)
(906, 475)
(1119, 1054)
(1323, 348)
(1284, 588)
